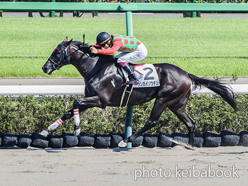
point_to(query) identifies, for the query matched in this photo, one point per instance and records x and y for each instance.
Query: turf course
(210, 47)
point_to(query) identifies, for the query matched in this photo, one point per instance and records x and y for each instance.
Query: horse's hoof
(44, 133)
(77, 132)
(185, 145)
(122, 144)
(188, 146)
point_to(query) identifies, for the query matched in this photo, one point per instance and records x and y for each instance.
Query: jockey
(132, 50)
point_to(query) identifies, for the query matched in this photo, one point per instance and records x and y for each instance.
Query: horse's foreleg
(148, 125)
(77, 129)
(157, 110)
(78, 106)
(53, 126)
(83, 104)
(57, 123)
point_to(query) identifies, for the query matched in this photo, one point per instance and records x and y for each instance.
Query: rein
(66, 56)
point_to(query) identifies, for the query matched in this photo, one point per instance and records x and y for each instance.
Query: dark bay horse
(105, 88)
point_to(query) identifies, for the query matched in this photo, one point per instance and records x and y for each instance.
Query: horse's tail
(219, 88)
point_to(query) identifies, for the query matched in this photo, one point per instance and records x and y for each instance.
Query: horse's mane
(85, 48)
(79, 43)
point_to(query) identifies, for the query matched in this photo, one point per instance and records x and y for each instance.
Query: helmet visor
(104, 42)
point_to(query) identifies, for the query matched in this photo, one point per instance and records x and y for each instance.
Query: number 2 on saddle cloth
(147, 76)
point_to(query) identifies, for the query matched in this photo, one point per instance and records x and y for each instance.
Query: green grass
(212, 47)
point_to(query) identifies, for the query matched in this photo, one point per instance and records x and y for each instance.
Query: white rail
(237, 89)
(79, 89)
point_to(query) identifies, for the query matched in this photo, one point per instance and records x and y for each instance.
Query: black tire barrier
(150, 140)
(9, 140)
(229, 138)
(207, 139)
(199, 140)
(102, 141)
(55, 141)
(39, 141)
(86, 140)
(164, 140)
(115, 139)
(70, 140)
(184, 138)
(137, 142)
(211, 139)
(243, 138)
(24, 140)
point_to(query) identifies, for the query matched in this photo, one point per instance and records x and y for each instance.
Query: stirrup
(132, 82)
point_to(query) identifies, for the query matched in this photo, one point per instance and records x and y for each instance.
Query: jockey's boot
(132, 78)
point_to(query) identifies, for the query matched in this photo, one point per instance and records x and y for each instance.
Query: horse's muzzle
(47, 70)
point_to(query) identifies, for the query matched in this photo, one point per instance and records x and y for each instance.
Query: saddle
(146, 73)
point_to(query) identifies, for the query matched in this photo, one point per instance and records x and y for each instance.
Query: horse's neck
(81, 61)
(85, 66)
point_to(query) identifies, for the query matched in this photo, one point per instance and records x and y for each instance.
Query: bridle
(65, 56)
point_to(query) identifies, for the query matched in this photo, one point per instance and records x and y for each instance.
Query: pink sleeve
(116, 45)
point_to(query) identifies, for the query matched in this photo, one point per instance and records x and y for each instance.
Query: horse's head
(59, 57)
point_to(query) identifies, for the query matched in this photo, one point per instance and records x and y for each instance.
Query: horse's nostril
(44, 68)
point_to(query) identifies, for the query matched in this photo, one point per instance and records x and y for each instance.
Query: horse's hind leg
(179, 110)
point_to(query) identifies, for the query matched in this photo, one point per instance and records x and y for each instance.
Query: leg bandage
(55, 124)
(77, 130)
(76, 117)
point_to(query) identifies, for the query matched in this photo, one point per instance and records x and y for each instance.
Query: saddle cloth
(146, 74)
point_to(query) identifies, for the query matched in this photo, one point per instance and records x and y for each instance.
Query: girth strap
(126, 95)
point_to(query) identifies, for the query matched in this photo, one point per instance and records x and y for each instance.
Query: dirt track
(156, 166)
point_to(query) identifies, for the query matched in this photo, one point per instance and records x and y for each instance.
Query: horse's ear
(69, 42)
(65, 39)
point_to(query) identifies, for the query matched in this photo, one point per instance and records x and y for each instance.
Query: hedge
(26, 115)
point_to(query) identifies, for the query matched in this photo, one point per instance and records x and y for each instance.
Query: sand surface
(137, 166)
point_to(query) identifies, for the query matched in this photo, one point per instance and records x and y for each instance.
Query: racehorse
(105, 88)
